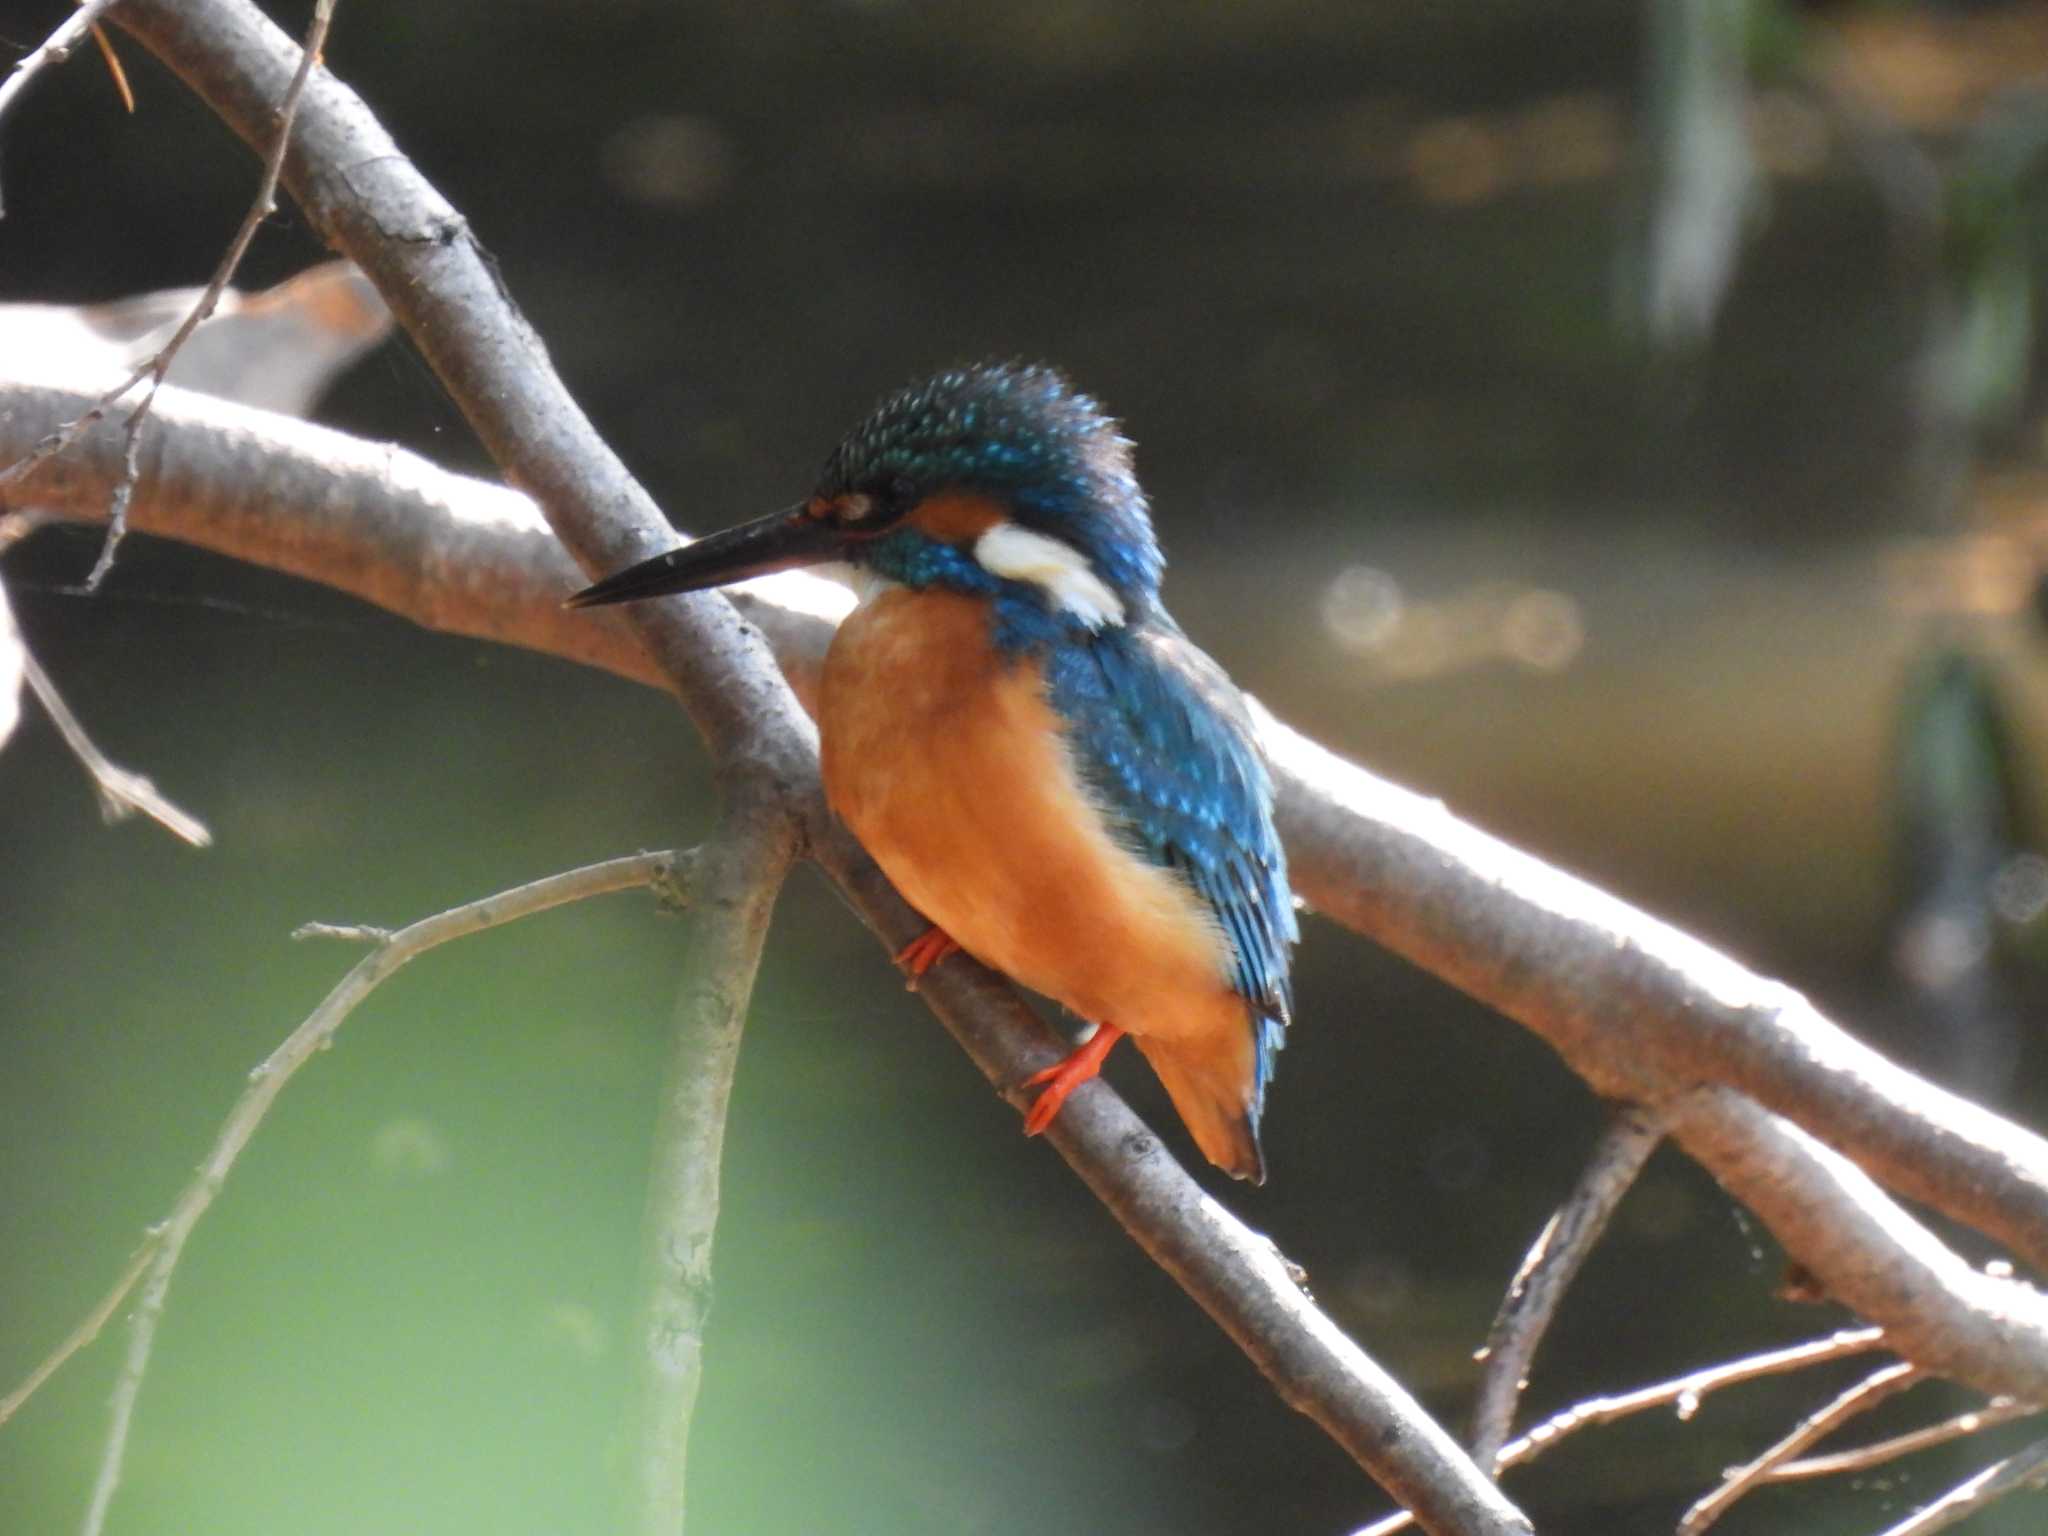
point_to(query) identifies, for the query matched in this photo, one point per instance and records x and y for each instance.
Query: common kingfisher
(1017, 730)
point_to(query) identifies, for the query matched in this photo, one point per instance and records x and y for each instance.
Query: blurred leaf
(11, 670)
(1984, 358)
(1960, 832)
(1706, 188)
(278, 349)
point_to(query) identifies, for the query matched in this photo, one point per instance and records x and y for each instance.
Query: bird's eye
(903, 491)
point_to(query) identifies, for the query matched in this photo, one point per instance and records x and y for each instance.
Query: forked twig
(55, 49)
(1859, 1398)
(167, 1241)
(2000, 1410)
(85, 1332)
(1683, 1392)
(260, 208)
(1553, 1262)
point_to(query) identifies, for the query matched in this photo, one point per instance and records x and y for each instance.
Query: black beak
(780, 541)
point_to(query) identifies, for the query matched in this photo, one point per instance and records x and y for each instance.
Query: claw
(1067, 1074)
(924, 952)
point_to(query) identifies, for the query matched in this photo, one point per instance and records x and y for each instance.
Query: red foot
(924, 952)
(1064, 1077)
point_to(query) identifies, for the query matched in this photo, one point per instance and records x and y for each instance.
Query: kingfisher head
(1000, 480)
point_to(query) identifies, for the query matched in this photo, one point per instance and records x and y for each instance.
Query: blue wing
(1162, 737)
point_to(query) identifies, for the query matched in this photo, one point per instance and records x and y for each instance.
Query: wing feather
(1163, 740)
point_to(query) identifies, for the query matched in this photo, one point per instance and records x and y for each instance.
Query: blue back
(1163, 740)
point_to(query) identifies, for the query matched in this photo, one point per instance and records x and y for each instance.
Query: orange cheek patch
(956, 517)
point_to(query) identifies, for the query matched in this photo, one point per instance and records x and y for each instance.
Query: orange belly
(948, 764)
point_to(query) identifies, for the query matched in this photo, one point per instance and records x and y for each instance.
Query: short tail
(1217, 1100)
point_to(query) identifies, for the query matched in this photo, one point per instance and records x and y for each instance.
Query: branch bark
(736, 878)
(165, 1243)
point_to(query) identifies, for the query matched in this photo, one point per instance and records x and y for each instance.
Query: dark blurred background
(1618, 420)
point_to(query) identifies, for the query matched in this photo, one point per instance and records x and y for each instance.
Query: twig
(55, 49)
(1885, 1382)
(2000, 1410)
(2025, 1469)
(348, 933)
(113, 63)
(261, 207)
(1683, 1392)
(121, 793)
(1553, 1262)
(738, 874)
(58, 439)
(84, 1333)
(269, 1078)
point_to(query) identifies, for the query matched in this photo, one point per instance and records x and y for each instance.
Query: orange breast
(948, 764)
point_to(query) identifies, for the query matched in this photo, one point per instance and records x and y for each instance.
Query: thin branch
(1683, 1393)
(84, 1334)
(2026, 1469)
(261, 207)
(1547, 1272)
(55, 49)
(1859, 1398)
(167, 1241)
(737, 878)
(2000, 1410)
(121, 792)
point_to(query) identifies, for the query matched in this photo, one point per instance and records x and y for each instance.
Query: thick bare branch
(452, 553)
(1936, 1309)
(1639, 1009)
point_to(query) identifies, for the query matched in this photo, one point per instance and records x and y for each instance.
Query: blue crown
(1023, 436)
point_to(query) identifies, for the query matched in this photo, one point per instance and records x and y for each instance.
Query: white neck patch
(1061, 571)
